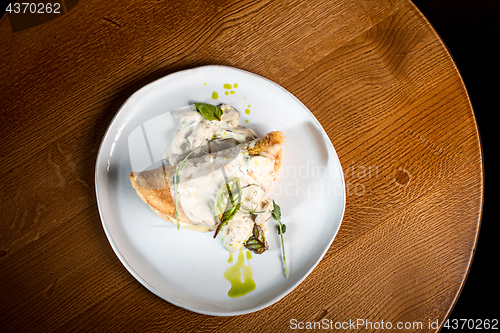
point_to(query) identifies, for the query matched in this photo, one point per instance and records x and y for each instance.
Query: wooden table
(374, 73)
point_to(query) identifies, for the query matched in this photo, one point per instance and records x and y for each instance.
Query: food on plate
(216, 177)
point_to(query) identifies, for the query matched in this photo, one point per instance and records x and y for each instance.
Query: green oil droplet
(205, 84)
(247, 111)
(232, 92)
(226, 93)
(235, 85)
(228, 86)
(249, 255)
(246, 121)
(215, 95)
(249, 106)
(240, 276)
(230, 260)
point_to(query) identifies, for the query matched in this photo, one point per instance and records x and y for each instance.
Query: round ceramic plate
(185, 267)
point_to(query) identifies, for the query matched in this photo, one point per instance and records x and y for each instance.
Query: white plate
(187, 268)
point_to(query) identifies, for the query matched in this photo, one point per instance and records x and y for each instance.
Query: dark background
(471, 31)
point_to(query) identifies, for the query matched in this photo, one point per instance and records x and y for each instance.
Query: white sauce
(255, 208)
(203, 177)
(194, 129)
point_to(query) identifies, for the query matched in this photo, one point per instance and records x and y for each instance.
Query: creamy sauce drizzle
(224, 157)
(195, 130)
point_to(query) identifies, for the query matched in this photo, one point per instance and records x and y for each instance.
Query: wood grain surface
(374, 73)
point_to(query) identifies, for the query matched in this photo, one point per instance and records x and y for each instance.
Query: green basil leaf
(281, 228)
(209, 111)
(228, 202)
(257, 242)
(276, 212)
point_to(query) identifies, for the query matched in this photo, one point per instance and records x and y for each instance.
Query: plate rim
(136, 94)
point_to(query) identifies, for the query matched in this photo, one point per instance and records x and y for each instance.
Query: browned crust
(153, 186)
(154, 190)
(265, 143)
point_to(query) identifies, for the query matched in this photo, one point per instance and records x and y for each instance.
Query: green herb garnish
(276, 212)
(209, 111)
(281, 229)
(228, 202)
(257, 242)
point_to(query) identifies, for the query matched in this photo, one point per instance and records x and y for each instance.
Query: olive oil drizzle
(240, 276)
